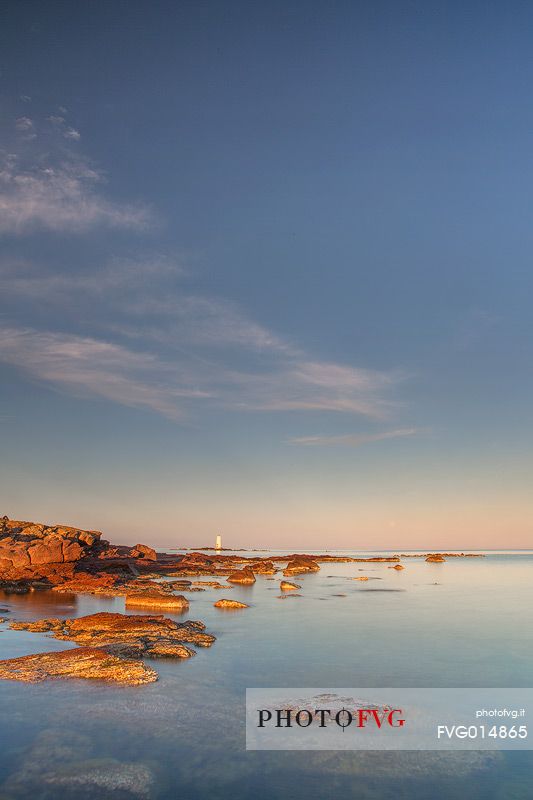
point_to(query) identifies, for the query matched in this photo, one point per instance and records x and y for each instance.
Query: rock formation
(28, 548)
(163, 601)
(82, 662)
(287, 586)
(111, 647)
(265, 567)
(244, 576)
(143, 551)
(300, 565)
(229, 604)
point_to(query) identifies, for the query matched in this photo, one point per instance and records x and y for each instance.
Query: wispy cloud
(64, 197)
(145, 301)
(93, 368)
(132, 331)
(23, 124)
(72, 133)
(178, 386)
(150, 343)
(352, 439)
(45, 183)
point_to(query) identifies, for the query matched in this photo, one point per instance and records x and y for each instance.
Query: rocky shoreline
(37, 557)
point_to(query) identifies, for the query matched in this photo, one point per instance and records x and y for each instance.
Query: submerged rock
(82, 662)
(103, 778)
(360, 578)
(229, 604)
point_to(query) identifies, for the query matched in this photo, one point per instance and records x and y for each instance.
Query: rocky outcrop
(212, 584)
(435, 558)
(25, 547)
(444, 555)
(264, 567)
(244, 576)
(287, 586)
(143, 551)
(163, 601)
(138, 636)
(82, 662)
(229, 604)
(86, 583)
(300, 565)
(327, 558)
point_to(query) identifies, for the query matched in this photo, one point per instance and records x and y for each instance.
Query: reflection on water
(463, 623)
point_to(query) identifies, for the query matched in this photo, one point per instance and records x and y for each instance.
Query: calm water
(463, 623)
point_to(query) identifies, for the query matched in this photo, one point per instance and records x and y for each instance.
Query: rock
(265, 567)
(397, 566)
(173, 601)
(435, 558)
(143, 551)
(30, 545)
(300, 565)
(15, 587)
(106, 628)
(229, 604)
(244, 576)
(85, 583)
(360, 578)
(181, 586)
(288, 596)
(287, 586)
(82, 662)
(166, 648)
(212, 584)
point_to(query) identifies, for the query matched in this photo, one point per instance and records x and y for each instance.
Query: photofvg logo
(343, 718)
(388, 719)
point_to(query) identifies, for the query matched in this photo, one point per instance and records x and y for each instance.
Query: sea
(464, 623)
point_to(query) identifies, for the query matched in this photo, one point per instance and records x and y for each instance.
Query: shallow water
(463, 623)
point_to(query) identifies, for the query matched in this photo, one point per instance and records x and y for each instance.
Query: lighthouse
(218, 543)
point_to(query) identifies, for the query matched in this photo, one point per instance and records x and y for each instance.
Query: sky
(265, 272)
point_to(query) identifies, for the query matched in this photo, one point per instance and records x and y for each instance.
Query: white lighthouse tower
(218, 543)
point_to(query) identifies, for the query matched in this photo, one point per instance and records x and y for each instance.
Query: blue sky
(265, 271)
